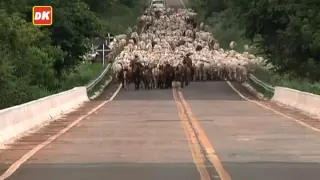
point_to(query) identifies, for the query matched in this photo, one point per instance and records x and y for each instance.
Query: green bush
(286, 33)
(39, 61)
(82, 75)
(120, 17)
(285, 80)
(226, 35)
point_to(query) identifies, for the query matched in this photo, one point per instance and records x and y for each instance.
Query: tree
(74, 23)
(287, 32)
(26, 66)
(290, 36)
(100, 6)
(39, 61)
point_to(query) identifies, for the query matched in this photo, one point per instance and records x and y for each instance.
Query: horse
(179, 74)
(155, 76)
(147, 77)
(186, 75)
(168, 75)
(126, 79)
(123, 77)
(190, 70)
(136, 74)
(161, 77)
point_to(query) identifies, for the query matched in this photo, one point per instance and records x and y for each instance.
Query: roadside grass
(21, 92)
(83, 75)
(274, 79)
(98, 87)
(258, 88)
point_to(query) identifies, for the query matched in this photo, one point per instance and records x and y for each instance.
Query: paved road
(253, 143)
(176, 3)
(204, 131)
(147, 135)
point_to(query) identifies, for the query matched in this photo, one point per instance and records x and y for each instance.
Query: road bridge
(204, 131)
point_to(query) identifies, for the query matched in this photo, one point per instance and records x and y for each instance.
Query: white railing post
(109, 38)
(103, 63)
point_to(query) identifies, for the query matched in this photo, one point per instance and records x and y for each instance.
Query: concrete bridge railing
(303, 101)
(17, 120)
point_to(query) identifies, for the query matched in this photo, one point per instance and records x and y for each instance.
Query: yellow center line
(194, 146)
(213, 158)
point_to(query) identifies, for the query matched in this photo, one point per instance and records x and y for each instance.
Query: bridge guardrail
(300, 100)
(261, 83)
(306, 102)
(94, 82)
(19, 119)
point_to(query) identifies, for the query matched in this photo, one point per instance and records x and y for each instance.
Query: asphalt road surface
(204, 131)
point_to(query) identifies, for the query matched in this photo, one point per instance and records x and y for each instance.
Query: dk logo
(42, 15)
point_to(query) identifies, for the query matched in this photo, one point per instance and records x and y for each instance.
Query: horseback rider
(179, 64)
(136, 61)
(136, 58)
(187, 59)
(136, 66)
(167, 65)
(187, 62)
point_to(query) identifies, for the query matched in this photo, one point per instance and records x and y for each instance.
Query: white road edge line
(273, 110)
(15, 166)
(115, 93)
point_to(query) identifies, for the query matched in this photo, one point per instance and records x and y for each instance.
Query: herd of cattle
(168, 48)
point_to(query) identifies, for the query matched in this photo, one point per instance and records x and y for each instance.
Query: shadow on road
(214, 90)
(206, 90)
(165, 171)
(273, 170)
(108, 171)
(143, 94)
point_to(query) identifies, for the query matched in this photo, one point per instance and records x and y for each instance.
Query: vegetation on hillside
(285, 32)
(39, 61)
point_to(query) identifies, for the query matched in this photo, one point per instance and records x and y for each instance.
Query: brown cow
(169, 75)
(161, 77)
(179, 74)
(187, 61)
(147, 77)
